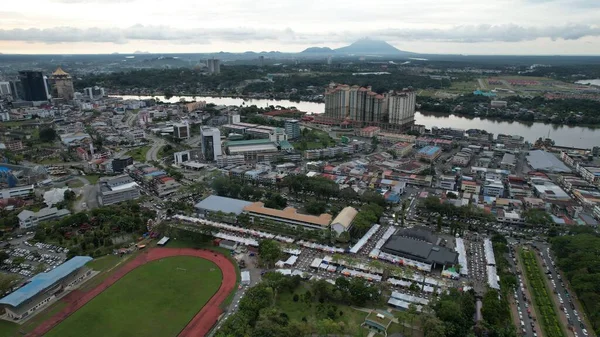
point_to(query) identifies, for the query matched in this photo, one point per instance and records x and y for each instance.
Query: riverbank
(563, 135)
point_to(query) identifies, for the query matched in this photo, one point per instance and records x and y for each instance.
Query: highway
(544, 251)
(157, 144)
(523, 299)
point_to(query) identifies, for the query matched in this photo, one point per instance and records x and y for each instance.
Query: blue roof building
(21, 302)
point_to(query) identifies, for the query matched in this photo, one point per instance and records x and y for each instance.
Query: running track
(200, 324)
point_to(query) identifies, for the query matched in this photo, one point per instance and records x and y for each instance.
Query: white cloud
(462, 34)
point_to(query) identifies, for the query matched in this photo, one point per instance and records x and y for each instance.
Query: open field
(541, 296)
(139, 154)
(158, 299)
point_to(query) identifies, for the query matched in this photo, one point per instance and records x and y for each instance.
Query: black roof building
(420, 245)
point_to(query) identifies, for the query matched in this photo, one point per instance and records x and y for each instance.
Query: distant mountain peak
(318, 50)
(368, 45)
(363, 46)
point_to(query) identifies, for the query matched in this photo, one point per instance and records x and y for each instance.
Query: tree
(315, 207)
(3, 256)
(269, 252)
(47, 135)
(7, 282)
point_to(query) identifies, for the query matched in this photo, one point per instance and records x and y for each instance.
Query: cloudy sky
(426, 26)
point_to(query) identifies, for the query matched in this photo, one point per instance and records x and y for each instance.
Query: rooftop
(429, 150)
(216, 203)
(345, 217)
(289, 213)
(545, 161)
(419, 250)
(44, 280)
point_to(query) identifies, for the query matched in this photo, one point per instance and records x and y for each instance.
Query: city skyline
(453, 27)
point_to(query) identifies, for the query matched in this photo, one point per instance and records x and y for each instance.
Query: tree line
(578, 256)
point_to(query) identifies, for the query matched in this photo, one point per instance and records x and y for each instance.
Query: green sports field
(156, 299)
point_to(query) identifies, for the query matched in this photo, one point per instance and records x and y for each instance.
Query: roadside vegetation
(547, 315)
(577, 256)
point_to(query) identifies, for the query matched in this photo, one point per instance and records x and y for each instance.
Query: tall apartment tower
(214, 66)
(401, 107)
(337, 101)
(210, 140)
(34, 86)
(5, 89)
(94, 92)
(62, 84)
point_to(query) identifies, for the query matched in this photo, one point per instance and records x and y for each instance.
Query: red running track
(200, 324)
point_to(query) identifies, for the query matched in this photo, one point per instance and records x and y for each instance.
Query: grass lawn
(74, 183)
(8, 329)
(92, 178)
(156, 299)
(139, 154)
(297, 310)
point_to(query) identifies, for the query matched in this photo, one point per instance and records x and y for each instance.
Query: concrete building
(42, 289)
(447, 182)
(470, 187)
(134, 135)
(343, 221)
(589, 173)
(493, 189)
(253, 150)
(33, 86)
(418, 244)
(225, 160)
(213, 66)
(368, 132)
(120, 163)
(62, 84)
(401, 107)
(498, 104)
(288, 216)
(509, 162)
(215, 203)
(113, 190)
(181, 130)
(5, 89)
(429, 153)
(164, 186)
(210, 140)
(28, 219)
(292, 128)
(337, 101)
(94, 92)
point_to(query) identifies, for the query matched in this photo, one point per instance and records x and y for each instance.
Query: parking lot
(477, 263)
(27, 259)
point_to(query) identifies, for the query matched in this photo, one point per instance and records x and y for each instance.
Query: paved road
(522, 305)
(560, 288)
(157, 144)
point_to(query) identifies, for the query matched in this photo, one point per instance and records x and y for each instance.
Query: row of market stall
(403, 301)
(252, 232)
(358, 246)
(492, 277)
(320, 247)
(462, 256)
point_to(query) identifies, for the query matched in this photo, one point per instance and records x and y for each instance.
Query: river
(575, 136)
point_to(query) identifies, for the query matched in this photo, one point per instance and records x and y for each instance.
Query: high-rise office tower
(292, 128)
(62, 84)
(210, 140)
(34, 86)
